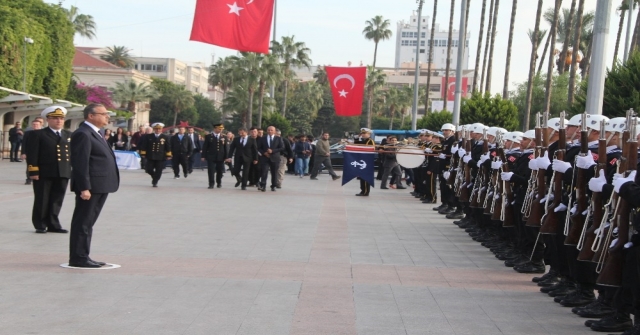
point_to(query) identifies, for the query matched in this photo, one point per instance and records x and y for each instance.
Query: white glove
(561, 208)
(496, 165)
(442, 156)
(446, 174)
(616, 176)
(506, 176)
(585, 162)
(461, 152)
(454, 149)
(533, 165)
(597, 183)
(573, 209)
(560, 166)
(628, 245)
(479, 163)
(543, 200)
(465, 159)
(543, 162)
(617, 184)
(497, 196)
(428, 150)
(484, 157)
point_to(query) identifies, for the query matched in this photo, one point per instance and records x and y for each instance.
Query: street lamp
(27, 40)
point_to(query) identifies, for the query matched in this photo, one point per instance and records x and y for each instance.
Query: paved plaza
(310, 258)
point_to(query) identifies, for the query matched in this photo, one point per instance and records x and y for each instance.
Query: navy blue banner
(358, 164)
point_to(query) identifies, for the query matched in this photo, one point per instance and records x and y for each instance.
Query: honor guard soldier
(446, 194)
(215, 151)
(365, 139)
(156, 148)
(49, 169)
(433, 167)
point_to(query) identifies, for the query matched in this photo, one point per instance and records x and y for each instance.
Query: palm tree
(130, 93)
(391, 97)
(221, 76)
(247, 69)
(375, 79)
(554, 33)
(486, 45)
(83, 24)
(505, 89)
(119, 56)
(321, 76)
(181, 99)
(479, 49)
(622, 9)
(493, 40)
(291, 53)
(567, 33)
(376, 30)
(564, 28)
(269, 73)
(405, 101)
(576, 47)
(430, 70)
(312, 93)
(537, 37)
(449, 42)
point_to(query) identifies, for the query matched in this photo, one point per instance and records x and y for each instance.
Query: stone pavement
(308, 259)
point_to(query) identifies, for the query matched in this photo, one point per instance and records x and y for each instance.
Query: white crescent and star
(344, 93)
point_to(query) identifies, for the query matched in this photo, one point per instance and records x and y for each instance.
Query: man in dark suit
(270, 147)
(181, 150)
(49, 168)
(94, 174)
(244, 151)
(215, 150)
(156, 148)
(195, 141)
(15, 138)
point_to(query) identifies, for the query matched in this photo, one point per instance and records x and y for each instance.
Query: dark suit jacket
(248, 153)
(48, 154)
(184, 147)
(113, 140)
(197, 147)
(93, 163)
(213, 149)
(277, 146)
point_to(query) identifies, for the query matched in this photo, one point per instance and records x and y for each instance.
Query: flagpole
(414, 108)
(462, 44)
(272, 89)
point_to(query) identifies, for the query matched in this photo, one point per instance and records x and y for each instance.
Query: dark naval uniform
(446, 193)
(215, 151)
(156, 149)
(365, 188)
(48, 158)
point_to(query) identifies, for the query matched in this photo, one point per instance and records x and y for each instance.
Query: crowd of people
(559, 200)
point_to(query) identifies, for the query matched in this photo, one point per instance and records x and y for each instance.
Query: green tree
(291, 54)
(221, 75)
(270, 73)
(558, 96)
(208, 114)
(83, 24)
(375, 79)
(130, 93)
(175, 98)
(280, 122)
(493, 111)
(376, 30)
(434, 121)
(163, 110)
(247, 69)
(119, 56)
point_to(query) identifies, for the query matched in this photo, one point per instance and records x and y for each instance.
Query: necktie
(244, 141)
(57, 133)
(270, 139)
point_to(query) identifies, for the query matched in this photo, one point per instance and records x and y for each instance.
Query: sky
(332, 29)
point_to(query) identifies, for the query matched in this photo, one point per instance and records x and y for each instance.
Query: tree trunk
(586, 61)
(636, 35)
(131, 107)
(554, 33)
(403, 116)
(544, 53)
(375, 54)
(175, 116)
(565, 44)
(493, 40)
(532, 67)
(505, 88)
(476, 70)
(393, 112)
(618, 36)
(260, 103)
(448, 63)
(430, 70)
(574, 58)
(486, 45)
(250, 109)
(284, 101)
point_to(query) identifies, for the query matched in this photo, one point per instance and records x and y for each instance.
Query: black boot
(596, 309)
(442, 206)
(458, 214)
(551, 273)
(617, 322)
(582, 297)
(530, 267)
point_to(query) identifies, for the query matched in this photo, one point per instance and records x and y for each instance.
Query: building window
(160, 68)
(423, 34)
(421, 51)
(404, 43)
(434, 88)
(422, 43)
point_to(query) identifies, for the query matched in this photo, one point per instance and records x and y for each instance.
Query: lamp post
(27, 40)
(414, 107)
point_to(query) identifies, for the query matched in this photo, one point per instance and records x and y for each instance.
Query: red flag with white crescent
(243, 25)
(347, 88)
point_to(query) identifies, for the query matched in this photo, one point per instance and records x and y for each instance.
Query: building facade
(194, 76)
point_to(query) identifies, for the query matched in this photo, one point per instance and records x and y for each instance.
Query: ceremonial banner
(243, 25)
(347, 88)
(358, 162)
(127, 160)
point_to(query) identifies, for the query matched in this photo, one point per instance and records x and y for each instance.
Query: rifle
(493, 189)
(507, 216)
(480, 176)
(459, 180)
(578, 218)
(498, 188)
(611, 274)
(550, 220)
(597, 204)
(533, 178)
(453, 162)
(464, 189)
(535, 217)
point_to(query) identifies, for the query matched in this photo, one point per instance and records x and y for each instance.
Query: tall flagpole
(416, 89)
(597, 74)
(272, 89)
(462, 44)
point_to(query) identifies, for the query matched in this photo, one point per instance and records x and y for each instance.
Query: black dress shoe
(439, 207)
(244, 188)
(41, 231)
(582, 297)
(596, 309)
(85, 264)
(263, 189)
(273, 188)
(99, 263)
(155, 185)
(455, 215)
(61, 231)
(361, 195)
(278, 187)
(614, 323)
(219, 186)
(530, 267)
(551, 273)
(384, 188)
(238, 184)
(210, 187)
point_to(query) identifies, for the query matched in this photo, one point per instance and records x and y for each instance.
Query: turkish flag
(451, 93)
(243, 25)
(347, 88)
